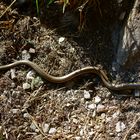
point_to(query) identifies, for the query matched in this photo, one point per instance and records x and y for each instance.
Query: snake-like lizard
(74, 74)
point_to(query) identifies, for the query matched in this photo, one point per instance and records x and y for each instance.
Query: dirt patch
(31, 108)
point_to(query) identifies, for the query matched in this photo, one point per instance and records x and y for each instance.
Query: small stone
(94, 114)
(31, 50)
(91, 133)
(19, 88)
(15, 93)
(114, 68)
(30, 75)
(119, 134)
(15, 111)
(32, 126)
(97, 100)
(97, 127)
(87, 95)
(134, 136)
(38, 137)
(25, 55)
(111, 134)
(2, 97)
(81, 132)
(52, 130)
(77, 138)
(37, 130)
(115, 115)
(13, 75)
(13, 85)
(75, 121)
(72, 50)
(92, 106)
(26, 86)
(108, 119)
(100, 108)
(46, 127)
(137, 93)
(68, 92)
(103, 115)
(26, 115)
(61, 39)
(120, 126)
(5, 92)
(82, 100)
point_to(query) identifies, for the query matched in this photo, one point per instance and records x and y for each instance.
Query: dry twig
(126, 135)
(32, 97)
(35, 123)
(7, 8)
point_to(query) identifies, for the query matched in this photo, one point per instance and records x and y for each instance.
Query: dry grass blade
(32, 97)
(7, 8)
(125, 138)
(35, 123)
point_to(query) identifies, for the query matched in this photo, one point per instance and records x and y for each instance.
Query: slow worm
(74, 74)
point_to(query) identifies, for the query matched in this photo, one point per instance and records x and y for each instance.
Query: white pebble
(46, 127)
(52, 130)
(111, 134)
(90, 133)
(38, 137)
(13, 73)
(30, 75)
(2, 97)
(5, 92)
(25, 55)
(120, 126)
(113, 68)
(71, 50)
(61, 39)
(87, 94)
(15, 111)
(32, 126)
(108, 119)
(137, 93)
(37, 130)
(100, 108)
(26, 86)
(26, 115)
(134, 136)
(31, 50)
(97, 100)
(103, 115)
(81, 132)
(94, 114)
(115, 115)
(77, 138)
(13, 85)
(75, 121)
(92, 106)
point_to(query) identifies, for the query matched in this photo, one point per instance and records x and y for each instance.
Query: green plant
(37, 7)
(50, 2)
(47, 2)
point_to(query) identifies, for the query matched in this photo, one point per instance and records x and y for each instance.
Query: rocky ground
(34, 109)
